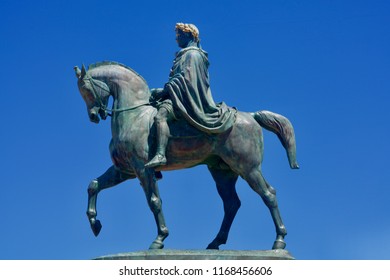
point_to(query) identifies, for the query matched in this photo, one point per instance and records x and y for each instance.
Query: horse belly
(187, 152)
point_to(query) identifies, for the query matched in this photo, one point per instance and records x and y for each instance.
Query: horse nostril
(103, 114)
(93, 116)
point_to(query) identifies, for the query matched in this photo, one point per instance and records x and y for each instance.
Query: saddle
(182, 129)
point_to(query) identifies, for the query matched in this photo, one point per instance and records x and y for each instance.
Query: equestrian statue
(180, 126)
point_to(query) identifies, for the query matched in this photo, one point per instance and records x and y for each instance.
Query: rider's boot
(162, 141)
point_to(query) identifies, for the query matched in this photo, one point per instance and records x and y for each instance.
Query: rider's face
(182, 38)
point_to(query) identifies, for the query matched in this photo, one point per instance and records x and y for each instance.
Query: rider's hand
(154, 94)
(158, 93)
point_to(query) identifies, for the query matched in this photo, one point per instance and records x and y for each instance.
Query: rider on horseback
(187, 94)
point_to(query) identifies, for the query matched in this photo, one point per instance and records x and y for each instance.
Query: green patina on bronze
(184, 124)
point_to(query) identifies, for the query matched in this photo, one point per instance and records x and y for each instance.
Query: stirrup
(157, 161)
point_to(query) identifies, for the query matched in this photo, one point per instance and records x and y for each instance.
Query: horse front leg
(149, 185)
(110, 178)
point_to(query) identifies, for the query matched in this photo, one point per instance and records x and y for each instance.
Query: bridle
(103, 110)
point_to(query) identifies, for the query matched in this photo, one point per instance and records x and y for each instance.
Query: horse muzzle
(94, 115)
(103, 114)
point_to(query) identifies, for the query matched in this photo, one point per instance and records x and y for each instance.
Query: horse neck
(126, 105)
(129, 94)
(127, 88)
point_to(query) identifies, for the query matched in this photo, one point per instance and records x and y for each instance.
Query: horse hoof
(212, 247)
(156, 245)
(96, 227)
(295, 166)
(279, 244)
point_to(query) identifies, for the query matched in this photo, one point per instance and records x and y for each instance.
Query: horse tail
(283, 128)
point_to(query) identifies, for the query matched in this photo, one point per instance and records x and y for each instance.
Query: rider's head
(186, 34)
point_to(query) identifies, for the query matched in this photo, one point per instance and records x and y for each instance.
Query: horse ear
(83, 71)
(77, 71)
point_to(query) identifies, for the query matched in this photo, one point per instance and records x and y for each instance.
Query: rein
(103, 107)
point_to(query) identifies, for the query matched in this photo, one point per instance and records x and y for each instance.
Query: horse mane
(104, 63)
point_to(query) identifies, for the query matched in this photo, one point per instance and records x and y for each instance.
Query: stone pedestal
(201, 255)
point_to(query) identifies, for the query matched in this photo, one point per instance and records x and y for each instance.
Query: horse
(228, 155)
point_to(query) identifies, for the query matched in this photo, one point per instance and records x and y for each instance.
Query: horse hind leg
(257, 182)
(226, 186)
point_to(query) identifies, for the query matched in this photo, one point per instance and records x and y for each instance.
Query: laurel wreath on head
(188, 28)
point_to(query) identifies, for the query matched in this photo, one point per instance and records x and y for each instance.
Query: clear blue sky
(323, 64)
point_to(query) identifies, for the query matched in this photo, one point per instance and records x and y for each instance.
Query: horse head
(95, 94)
(128, 89)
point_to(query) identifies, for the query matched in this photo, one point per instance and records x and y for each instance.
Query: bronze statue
(228, 141)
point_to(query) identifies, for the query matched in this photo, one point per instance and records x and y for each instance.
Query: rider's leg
(162, 138)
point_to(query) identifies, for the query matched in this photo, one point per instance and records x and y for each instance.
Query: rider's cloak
(189, 90)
